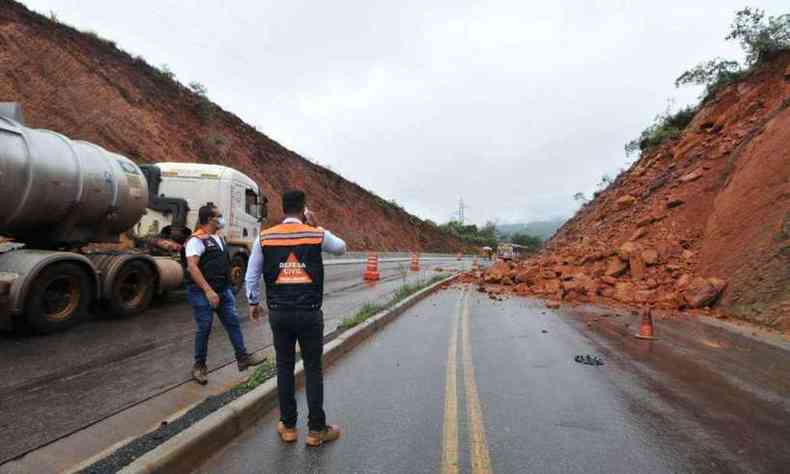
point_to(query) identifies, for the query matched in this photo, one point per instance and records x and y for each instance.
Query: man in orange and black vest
(289, 258)
(209, 290)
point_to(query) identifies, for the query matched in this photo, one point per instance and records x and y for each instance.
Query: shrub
(166, 73)
(713, 74)
(665, 127)
(198, 88)
(204, 105)
(760, 37)
(605, 181)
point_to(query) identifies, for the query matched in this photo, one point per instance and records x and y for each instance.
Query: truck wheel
(238, 268)
(132, 289)
(59, 298)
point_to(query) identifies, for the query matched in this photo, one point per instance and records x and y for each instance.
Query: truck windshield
(251, 203)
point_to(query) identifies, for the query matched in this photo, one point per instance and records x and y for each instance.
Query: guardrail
(360, 258)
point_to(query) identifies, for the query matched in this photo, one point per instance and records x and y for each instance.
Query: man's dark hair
(293, 201)
(205, 213)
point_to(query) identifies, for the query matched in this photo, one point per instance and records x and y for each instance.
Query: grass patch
(369, 309)
(263, 372)
(366, 311)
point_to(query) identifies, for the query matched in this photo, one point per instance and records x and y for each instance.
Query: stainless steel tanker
(57, 195)
(57, 191)
(68, 210)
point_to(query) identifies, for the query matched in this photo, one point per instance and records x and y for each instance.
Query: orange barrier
(646, 326)
(372, 270)
(415, 262)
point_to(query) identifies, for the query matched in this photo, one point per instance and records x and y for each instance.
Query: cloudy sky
(513, 105)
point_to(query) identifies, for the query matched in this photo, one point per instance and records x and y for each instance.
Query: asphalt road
(53, 385)
(464, 383)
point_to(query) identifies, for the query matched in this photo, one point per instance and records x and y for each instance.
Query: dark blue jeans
(204, 316)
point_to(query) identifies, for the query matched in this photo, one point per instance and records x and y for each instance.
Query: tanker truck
(82, 228)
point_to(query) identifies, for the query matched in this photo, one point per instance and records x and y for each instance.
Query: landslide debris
(701, 221)
(87, 88)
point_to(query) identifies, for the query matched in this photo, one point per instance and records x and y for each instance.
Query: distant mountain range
(542, 229)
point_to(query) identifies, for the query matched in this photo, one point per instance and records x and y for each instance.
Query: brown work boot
(288, 435)
(200, 373)
(317, 438)
(249, 360)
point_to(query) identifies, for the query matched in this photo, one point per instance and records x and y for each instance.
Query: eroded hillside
(702, 221)
(86, 88)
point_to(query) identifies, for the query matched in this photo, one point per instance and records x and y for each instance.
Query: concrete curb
(191, 447)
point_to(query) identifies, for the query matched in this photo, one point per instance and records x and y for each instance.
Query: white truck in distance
(83, 227)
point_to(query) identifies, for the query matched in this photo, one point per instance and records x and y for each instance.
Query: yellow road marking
(481, 460)
(450, 439)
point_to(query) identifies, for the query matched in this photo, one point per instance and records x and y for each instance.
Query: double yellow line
(479, 456)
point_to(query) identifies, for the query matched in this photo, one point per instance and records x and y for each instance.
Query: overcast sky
(513, 105)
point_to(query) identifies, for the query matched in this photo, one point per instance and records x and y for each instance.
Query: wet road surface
(55, 384)
(464, 383)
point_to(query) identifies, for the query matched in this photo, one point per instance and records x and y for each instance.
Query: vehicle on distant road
(487, 252)
(510, 251)
(86, 226)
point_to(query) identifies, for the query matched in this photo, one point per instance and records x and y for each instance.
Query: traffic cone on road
(646, 326)
(460, 256)
(415, 262)
(372, 270)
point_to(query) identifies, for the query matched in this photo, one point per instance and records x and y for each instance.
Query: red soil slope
(701, 221)
(86, 88)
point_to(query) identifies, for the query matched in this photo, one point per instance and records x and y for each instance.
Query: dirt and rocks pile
(701, 222)
(86, 88)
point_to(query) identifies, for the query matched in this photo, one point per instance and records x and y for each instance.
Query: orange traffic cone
(646, 326)
(460, 256)
(415, 262)
(372, 270)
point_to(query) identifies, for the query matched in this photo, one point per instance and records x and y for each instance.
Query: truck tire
(132, 289)
(59, 298)
(238, 267)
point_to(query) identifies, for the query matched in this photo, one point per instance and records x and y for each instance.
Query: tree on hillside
(471, 233)
(760, 37)
(532, 243)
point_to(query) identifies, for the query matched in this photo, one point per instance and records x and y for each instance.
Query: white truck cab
(233, 192)
(236, 195)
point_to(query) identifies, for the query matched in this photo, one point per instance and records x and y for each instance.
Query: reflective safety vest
(214, 263)
(293, 267)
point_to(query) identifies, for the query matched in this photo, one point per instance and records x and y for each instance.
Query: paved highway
(53, 385)
(464, 383)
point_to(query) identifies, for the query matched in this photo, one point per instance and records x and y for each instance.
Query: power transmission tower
(461, 208)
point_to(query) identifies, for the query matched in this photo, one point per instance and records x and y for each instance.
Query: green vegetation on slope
(760, 37)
